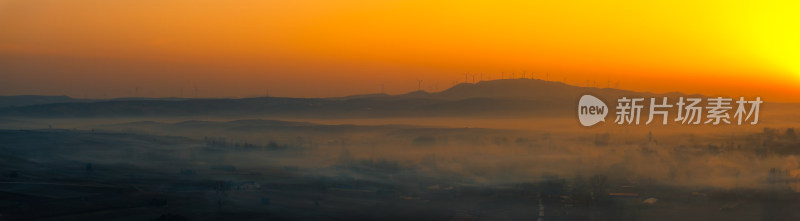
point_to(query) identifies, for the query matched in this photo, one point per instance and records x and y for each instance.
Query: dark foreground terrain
(55, 174)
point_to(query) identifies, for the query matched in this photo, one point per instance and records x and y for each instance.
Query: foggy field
(176, 110)
(253, 169)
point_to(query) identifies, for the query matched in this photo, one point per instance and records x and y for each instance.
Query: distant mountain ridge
(498, 98)
(27, 100)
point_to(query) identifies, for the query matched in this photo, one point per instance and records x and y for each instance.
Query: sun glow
(242, 47)
(769, 29)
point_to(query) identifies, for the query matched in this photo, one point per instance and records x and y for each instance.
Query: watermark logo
(690, 111)
(591, 110)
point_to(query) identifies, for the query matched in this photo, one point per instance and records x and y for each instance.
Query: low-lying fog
(493, 151)
(413, 159)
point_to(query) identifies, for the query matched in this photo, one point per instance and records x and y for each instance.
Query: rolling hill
(497, 98)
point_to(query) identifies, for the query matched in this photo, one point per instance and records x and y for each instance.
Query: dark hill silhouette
(251, 125)
(533, 89)
(27, 100)
(498, 98)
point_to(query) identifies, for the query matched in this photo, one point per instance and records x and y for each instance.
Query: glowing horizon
(304, 48)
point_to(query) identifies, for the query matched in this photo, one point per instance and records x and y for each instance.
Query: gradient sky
(314, 48)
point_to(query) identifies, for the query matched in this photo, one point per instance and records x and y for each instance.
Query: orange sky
(314, 48)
